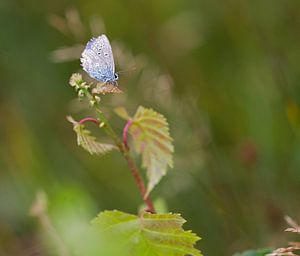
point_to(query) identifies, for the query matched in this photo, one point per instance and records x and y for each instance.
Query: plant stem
(140, 183)
(124, 149)
(89, 119)
(125, 133)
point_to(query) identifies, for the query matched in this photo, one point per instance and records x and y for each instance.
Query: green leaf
(88, 142)
(151, 138)
(147, 235)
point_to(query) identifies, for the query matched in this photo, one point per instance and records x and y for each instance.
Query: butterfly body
(98, 61)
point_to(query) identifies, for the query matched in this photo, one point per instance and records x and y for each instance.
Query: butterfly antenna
(126, 72)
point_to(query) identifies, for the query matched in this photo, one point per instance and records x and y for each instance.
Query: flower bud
(80, 93)
(75, 80)
(97, 98)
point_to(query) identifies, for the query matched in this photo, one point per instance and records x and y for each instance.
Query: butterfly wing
(97, 59)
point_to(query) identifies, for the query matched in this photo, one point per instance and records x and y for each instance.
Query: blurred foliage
(261, 252)
(226, 75)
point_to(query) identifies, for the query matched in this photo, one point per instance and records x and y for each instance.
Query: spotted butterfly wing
(98, 61)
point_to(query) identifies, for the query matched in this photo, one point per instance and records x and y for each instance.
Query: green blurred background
(226, 74)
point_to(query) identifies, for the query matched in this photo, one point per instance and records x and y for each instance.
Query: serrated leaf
(89, 142)
(151, 138)
(122, 112)
(147, 235)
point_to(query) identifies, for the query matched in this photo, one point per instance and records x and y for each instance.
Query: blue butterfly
(98, 61)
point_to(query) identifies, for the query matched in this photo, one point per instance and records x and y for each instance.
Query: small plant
(149, 232)
(294, 247)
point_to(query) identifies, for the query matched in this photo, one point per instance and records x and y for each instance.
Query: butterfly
(98, 61)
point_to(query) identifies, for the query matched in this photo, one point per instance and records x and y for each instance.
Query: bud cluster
(79, 84)
(82, 88)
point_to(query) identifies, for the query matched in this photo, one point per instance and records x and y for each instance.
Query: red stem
(89, 119)
(125, 133)
(140, 183)
(134, 170)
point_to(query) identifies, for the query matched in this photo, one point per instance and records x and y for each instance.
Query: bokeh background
(226, 74)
